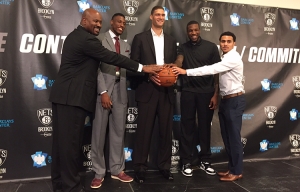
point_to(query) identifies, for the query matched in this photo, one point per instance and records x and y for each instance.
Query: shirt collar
(197, 43)
(228, 53)
(154, 34)
(112, 35)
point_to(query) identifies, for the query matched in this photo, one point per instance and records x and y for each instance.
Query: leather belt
(232, 95)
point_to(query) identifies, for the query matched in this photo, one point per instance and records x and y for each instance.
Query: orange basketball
(167, 77)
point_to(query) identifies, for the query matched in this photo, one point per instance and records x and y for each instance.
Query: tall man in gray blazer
(111, 107)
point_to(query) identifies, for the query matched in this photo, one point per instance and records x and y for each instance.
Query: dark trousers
(159, 105)
(68, 125)
(192, 103)
(230, 116)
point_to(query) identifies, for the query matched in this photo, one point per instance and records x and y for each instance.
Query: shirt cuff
(140, 68)
(103, 92)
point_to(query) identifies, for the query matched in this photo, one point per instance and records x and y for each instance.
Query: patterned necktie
(117, 46)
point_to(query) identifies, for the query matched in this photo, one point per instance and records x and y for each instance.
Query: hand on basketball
(169, 65)
(155, 79)
(152, 69)
(178, 71)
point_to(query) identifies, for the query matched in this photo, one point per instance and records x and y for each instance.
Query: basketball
(167, 77)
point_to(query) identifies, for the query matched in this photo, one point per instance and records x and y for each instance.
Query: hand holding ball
(167, 77)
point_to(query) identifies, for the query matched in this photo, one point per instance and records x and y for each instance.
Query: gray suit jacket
(106, 74)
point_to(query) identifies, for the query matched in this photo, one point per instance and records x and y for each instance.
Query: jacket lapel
(166, 51)
(110, 41)
(150, 42)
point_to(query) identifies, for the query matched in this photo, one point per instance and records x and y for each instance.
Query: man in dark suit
(153, 46)
(74, 94)
(111, 107)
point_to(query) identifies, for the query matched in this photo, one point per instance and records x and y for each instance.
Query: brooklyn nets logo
(295, 140)
(206, 13)
(244, 141)
(270, 19)
(46, 3)
(296, 82)
(45, 116)
(3, 76)
(86, 149)
(132, 114)
(3, 155)
(270, 112)
(175, 146)
(131, 6)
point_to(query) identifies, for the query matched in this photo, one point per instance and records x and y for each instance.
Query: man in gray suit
(111, 107)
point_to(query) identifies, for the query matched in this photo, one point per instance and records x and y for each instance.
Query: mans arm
(214, 100)
(215, 59)
(94, 48)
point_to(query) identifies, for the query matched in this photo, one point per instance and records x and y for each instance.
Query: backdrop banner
(32, 35)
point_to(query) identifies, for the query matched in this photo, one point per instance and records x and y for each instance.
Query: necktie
(117, 46)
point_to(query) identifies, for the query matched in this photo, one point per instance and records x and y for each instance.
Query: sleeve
(226, 64)
(215, 54)
(94, 49)
(180, 50)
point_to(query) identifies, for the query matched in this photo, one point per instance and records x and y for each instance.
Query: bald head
(91, 20)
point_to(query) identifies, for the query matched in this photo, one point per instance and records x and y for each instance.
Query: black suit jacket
(143, 51)
(76, 82)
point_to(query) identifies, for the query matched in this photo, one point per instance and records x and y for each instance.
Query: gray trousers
(116, 118)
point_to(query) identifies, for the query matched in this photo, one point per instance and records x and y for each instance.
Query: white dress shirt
(230, 71)
(112, 35)
(158, 41)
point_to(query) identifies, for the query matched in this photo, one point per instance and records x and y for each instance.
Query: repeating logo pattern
(3, 155)
(296, 82)
(39, 82)
(270, 112)
(3, 76)
(295, 142)
(39, 159)
(45, 116)
(294, 114)
(270, 19)
(207, 14)
(128, 153)
(131, 6)
(294, 24)
(266, 83)
(235, 19)
(83, 5)
(264, 145)
(46, 3)
(86, 150)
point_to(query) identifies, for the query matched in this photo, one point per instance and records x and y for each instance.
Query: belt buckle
(118, 73)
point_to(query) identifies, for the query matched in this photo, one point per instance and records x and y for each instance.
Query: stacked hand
(152, 69)
(178, 71)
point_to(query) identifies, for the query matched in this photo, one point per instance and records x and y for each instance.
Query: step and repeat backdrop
(32, 34)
